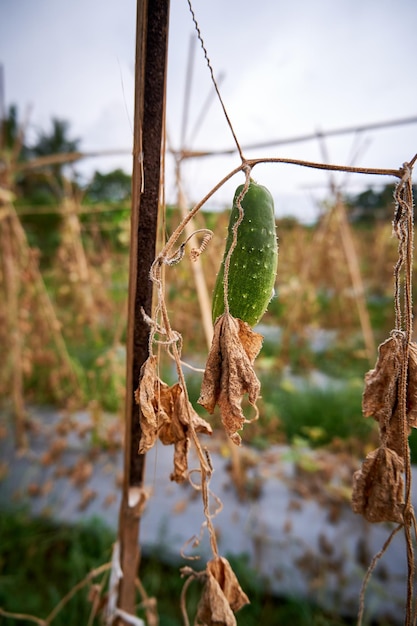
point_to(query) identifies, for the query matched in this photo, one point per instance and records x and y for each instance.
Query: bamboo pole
(150, 79)
(356, 279)
(11, 276)
(203, 295)
(72, 157)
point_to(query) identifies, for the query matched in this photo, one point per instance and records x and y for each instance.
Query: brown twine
(175, 344)
(370, 570)
(403, 227)
(216, 87)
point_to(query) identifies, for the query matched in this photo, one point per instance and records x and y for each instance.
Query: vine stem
(166, 255)
(45, 622)
(405, 204)
(251, 163)
(213, 80)
(370, 570)
(206, 470)
(23, 616)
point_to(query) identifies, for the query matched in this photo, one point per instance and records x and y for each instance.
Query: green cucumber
(253, 264)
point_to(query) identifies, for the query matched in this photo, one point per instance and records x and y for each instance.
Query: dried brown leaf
(178, 413)
(391, 434)
(167, 413)
(181, 449)
(176, 427)
(148, 396)
(381, 386)
(378, 487)
(222, 595)
(229, 372)
(222, 571)
(170, 428)
(380, 393)
(213, 608)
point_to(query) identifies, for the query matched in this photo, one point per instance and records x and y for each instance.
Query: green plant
(319, 414)
(41, 561)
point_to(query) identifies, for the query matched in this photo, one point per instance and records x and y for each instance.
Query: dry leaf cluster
(229, 372)
(378, 487)
(167, 414)
(222, 595)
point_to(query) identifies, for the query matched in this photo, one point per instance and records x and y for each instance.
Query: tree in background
(114, 186)
(47, 185)
(36, 186)
(372, 205)
(11, 136)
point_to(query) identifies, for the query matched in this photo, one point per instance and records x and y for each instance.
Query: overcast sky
(290, 68)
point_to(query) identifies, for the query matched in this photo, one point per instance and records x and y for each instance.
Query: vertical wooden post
(150, 79)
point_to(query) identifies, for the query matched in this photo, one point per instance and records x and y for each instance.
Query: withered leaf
(180, 472)
(229, 372)
(179, 414)
(148, 395)
(380, 396)
(213, 608)
(222, 595)
(166, 413)
(222, 571)
(393, 435)
(175, 428)
(380, 393)
(378, 487)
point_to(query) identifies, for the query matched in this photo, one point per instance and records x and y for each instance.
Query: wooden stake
(11, 278)
(150, 78)
(356, 279)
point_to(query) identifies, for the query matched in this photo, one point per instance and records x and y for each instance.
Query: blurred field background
(64, 275)
(64, 257)
(288, 74)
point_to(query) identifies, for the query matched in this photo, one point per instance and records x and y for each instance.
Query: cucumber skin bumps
(253, 264)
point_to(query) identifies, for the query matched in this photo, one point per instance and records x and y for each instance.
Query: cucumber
(253, 264)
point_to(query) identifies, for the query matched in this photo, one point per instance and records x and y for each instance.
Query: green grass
(320, 415)
(40, 562)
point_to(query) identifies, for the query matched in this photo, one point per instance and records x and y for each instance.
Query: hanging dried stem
(404, 229)
(370, 571)
(379, 491)
(195, 540)
(24, 617)
(171, 414)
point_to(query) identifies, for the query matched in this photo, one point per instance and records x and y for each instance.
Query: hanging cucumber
(253, 264)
